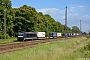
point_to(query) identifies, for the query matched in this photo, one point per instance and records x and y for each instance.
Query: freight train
(41, 35)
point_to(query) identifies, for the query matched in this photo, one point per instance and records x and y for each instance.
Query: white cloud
(75, 20)
(85, 27)
(53, 11)
(85, 22)
(85, 17)
(74, 16)
(14, 7)
(81, 6)
(76, 8)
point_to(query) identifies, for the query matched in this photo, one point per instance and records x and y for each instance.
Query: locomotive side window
(34, 35)
(27, 35)
(30, 35)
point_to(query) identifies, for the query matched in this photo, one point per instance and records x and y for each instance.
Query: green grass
(61, 50)
(85, 50)
(10, 40)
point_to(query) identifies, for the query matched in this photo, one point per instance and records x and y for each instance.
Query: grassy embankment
(70, 49)
(10, 40)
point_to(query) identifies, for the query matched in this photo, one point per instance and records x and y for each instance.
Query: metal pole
(66, 16)
(57, 27)
(4, 24)
(80, 26)
(66, 20)
(47, 28)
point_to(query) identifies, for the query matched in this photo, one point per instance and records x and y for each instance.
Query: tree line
(26, 18)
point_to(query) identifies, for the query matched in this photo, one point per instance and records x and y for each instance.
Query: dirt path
(78, 45)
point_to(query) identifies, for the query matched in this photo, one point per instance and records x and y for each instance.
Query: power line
(65, 12)
(76, 18)
(72, 13)
(65, 7)
(61, 2)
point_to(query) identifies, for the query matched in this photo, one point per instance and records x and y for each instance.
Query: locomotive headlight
(20, 36)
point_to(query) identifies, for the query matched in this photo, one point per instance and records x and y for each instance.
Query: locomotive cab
(20, 37)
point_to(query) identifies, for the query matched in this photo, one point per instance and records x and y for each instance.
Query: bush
(2, 35)
(87, 50)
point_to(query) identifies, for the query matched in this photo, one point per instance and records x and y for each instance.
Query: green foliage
(61, 50)
(26, 18)
(2, 35)
(75, 29)
(5, 4)
(89, 32)
(8, 41)
(86, 49)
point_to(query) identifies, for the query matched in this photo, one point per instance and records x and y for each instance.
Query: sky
(77, 10)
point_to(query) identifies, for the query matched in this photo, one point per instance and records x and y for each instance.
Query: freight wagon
(59, 34)
(55, 34)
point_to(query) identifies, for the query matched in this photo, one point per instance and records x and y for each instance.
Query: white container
(40, 34)
(59, 34)
(74, 34)
(77, 34)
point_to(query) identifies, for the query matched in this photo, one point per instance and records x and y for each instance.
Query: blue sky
(77, 10)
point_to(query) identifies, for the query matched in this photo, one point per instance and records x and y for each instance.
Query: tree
(26, 18)
(89, 32)
(75, 29)
(6, 5)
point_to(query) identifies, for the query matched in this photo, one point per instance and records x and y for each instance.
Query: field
(10, 40)
(68, 49)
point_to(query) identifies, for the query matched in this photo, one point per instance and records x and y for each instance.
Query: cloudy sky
(77, 10)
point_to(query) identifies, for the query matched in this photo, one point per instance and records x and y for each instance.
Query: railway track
(5, 48)
(18, 46)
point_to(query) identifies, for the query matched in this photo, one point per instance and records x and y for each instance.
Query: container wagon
(59, 35)
(53, 35)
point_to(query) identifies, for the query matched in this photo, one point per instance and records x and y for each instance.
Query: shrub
(2, 35)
